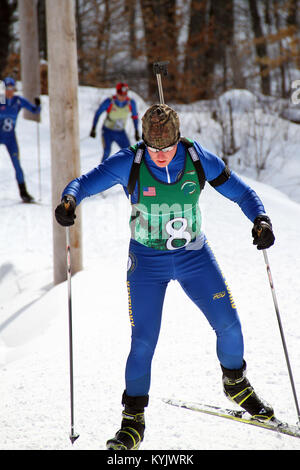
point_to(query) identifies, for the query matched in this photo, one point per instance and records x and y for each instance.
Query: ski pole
(39, 158)
(282, 333)
(73, 435)
(159, 68)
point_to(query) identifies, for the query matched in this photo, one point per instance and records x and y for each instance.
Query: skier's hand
(37, 101)
(93, 132)
(65, 211)
(137, 135)
(262, 232)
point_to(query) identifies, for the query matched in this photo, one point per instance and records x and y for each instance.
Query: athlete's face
(162, 158)
(121, 97)
(9, 92)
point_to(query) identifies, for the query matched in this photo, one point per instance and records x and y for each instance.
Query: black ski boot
(239, 390)
(131, 434)
(24, 194)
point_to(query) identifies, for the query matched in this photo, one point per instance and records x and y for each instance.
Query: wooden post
(30, 62)
(64, 127)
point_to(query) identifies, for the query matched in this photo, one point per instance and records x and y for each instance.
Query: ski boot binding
(131, 433)
(239, 390)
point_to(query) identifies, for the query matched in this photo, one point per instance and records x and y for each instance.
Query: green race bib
(167, 216)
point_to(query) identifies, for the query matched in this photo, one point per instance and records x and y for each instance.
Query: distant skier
(165, 175)
(9, 110)
(118, 107)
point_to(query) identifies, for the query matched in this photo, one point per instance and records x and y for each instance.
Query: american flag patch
(149, 191)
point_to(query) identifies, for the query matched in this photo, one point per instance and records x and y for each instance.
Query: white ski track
(240, 416)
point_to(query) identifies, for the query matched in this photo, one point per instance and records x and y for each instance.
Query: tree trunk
(294, 20)
(159, 17)
(64, 126)
(283, 87)
(222, 32)
(5, 24)
(261, 48)
(130, 7)
(198, 67)
(30, 61)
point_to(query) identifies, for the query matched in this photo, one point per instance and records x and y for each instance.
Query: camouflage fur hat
(160, 126)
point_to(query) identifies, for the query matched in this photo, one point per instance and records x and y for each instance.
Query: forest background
(212, 45)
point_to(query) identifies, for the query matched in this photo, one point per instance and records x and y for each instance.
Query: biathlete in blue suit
(117, 108)
(9, 110)
(164, 176)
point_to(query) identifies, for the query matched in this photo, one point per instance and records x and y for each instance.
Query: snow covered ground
(34, 355)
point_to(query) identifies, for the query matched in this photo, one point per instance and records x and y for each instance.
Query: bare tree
(225, 141)
(159, 17)
(30, 63)
(7, 10)
(222, 18)
(293, 20)
(120, 40)
(264, 138)
(130, 12)
(199, 64)
(260, 46)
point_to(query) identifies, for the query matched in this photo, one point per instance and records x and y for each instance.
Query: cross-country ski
(240, 416)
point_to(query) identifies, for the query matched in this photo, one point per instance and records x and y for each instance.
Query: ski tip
(73, 437)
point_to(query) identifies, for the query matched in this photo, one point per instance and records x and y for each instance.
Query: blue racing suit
(8, 118)
(194, 265)
(113, 129)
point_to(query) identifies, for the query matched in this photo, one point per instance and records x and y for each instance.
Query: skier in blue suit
(9, 110)
(164, 176)
(117, 108)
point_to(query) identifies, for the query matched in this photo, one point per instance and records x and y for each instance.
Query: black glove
(93, 132)
(65, 211)
(262, 232)
(137, 135)
(37, 101)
